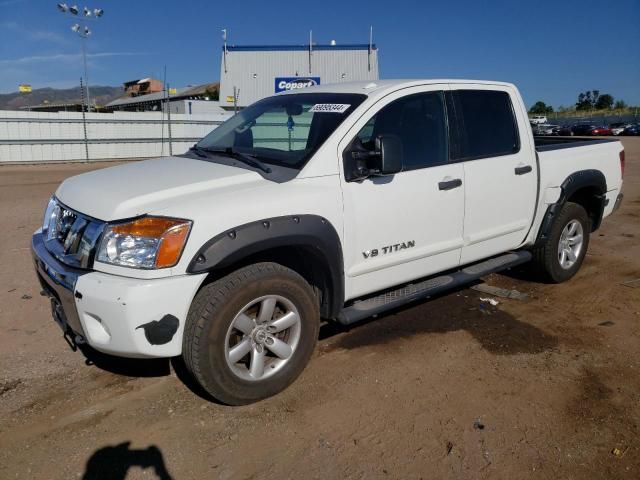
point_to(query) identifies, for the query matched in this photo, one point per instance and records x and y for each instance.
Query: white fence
(32, 137)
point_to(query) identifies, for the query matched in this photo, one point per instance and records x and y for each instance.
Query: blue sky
(551, 49)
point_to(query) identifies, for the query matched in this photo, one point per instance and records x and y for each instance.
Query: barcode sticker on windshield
(329, 107)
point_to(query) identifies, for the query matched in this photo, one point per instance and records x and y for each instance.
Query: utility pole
(236, 94)
(84, 123)
(86, 75)
(169, 120)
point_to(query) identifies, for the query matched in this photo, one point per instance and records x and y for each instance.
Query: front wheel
(250, 334)
(563, 252)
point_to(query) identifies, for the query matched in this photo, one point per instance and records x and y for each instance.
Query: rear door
(401, 227)
(490, 141)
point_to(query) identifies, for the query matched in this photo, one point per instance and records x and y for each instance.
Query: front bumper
(58, 282)
(122, 316)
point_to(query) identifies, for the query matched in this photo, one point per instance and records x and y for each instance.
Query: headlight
(148, 242)
(51, 215)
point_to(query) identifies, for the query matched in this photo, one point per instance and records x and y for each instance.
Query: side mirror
(384, 159)
(390, 148)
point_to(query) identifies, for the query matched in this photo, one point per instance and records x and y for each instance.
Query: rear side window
(485, 125)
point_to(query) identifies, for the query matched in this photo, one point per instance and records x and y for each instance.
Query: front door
(405, 226)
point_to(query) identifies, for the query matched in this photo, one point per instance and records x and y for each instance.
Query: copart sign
(294, 83)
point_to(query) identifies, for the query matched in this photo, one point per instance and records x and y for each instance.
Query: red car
(601, 131)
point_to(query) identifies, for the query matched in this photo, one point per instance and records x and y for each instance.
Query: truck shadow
(496, 330)
(114, 462)
(130, 367)
(139, 367)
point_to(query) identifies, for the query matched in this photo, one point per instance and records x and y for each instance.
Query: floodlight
(63, 7)
(87, 12)
(87, 32)
(76, 28)
(98, 12)
(74, 9)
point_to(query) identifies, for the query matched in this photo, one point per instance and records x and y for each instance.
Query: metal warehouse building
(255, 72)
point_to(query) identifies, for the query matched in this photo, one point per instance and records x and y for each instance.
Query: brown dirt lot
(451, 388)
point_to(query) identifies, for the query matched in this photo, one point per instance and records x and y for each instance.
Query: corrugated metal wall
(254, 72)
(30, 137)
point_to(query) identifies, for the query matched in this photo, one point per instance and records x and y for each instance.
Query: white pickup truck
(335, 202)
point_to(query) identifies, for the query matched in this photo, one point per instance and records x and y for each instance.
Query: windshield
(283, 130)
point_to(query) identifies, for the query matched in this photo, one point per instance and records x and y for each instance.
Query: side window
(419, 121)
(486, 124)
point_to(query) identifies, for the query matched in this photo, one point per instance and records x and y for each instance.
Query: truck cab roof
(381, 87)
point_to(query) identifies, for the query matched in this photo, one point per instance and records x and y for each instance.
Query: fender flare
(311, 231)
(574, 182)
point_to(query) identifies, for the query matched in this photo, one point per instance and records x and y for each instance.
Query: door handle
(449, 184)
(523, 170)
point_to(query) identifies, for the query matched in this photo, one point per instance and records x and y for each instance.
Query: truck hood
(137, 188)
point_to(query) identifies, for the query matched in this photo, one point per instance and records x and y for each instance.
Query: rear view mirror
(294, 109)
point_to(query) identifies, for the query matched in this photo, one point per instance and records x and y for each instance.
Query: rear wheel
(562, 254)
(250, 334)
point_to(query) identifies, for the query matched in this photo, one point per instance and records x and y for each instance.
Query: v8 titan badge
(388, 249)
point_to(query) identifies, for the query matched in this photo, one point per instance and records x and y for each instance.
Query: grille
(73, 237)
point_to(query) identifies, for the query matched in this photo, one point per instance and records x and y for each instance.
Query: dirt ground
(544, 388)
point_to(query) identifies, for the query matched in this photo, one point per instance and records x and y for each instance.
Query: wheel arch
(587, 188)
(308, 244)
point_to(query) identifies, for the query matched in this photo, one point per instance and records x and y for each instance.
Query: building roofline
(296, 48)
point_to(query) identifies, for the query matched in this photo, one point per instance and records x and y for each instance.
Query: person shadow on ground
(113, 462)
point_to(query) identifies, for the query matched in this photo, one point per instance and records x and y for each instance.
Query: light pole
(83, 32)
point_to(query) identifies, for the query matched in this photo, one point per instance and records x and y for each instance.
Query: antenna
(310, 48)
(224, 48)
(370, 47)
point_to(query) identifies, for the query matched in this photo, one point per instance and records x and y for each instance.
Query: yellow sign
(173, 91)
(229, 98)
(24, 88)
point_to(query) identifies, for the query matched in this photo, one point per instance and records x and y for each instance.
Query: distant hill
(99, 95)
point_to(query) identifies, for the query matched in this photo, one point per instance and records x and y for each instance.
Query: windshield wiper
(243, 157)
(198, 150)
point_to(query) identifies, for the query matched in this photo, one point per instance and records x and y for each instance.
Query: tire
(234, 311)
(548, 258)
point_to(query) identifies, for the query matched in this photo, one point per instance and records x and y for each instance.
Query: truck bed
(546, 143)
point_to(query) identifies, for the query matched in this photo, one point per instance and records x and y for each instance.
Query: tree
(540, 108)
(620, 105)
(586, 100)
(605, 101)
(591, 99)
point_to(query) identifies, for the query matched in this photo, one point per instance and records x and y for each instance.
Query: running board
(409, 293)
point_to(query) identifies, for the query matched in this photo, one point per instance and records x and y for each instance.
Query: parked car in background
(563, 131)
(582, 129)
(601, 131)
(544, 129)
(618, 127)
(632, 130)
(538, 119)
